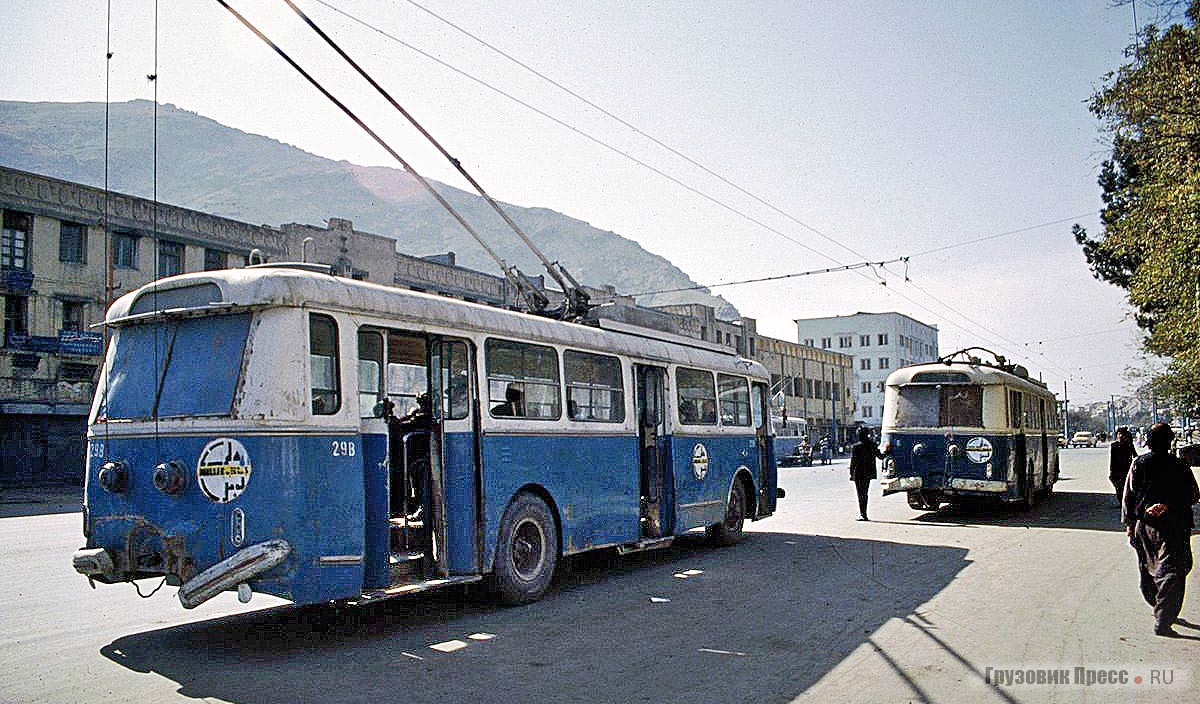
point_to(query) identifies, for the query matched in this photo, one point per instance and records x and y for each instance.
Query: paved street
(812, 606)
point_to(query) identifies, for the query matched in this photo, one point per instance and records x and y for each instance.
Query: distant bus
(956, 430)
(791, 434)
(277, 429)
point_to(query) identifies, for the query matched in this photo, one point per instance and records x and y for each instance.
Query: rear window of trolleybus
(935, 406)
(175, 368)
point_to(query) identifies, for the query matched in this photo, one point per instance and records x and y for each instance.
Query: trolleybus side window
(522, 380)
(456, 381)
(323, 365)
(407, 371)
(735, 400)
(370, 371)
(697, 397)
(595, 388)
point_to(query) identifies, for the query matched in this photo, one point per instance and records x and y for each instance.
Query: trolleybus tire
(526, 552)
(729, 531)
(916, 501)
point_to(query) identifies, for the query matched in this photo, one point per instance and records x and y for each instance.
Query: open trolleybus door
(767, 471)
(425, 398)
(657, 517)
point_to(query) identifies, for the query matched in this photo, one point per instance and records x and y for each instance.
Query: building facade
(878, 343)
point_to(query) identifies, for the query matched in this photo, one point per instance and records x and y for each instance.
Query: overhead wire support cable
(533, 298)
(777, 277)
(576, 299)
(637, 130)
(586, 135)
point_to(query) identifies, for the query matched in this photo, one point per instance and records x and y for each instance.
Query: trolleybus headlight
(919, 450)
(170, 477)
(114, 478)
(953, 450)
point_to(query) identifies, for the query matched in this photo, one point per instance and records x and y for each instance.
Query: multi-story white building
(880, 344)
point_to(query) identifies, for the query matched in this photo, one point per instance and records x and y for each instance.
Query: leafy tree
(1150, 187)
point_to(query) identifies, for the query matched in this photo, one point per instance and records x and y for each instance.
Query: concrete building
(879, 344)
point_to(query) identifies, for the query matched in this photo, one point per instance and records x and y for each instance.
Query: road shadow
(1075, 510)
(18, 502)
(759, 622)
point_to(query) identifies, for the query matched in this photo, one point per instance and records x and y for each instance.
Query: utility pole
(1066, 412)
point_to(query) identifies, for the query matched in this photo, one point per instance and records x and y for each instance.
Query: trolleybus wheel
(729, 531)
(916, 501)
(1025, 503)
(527, 551)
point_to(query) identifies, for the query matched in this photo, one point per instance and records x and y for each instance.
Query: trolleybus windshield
(176, 368)
(938, 406)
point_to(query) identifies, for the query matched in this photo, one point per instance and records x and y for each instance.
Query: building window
(14, 244)
(72, 315)
(808, 342)
(867, 411)
(170, 258)
(864, 364)
(829, 391)
(864, 340)
(16, 316)
(880, 387)
(73, 371)
(737, 342)
(826, 342)
(72, 242)
(124, 250)
(883, 339)
(751, 346)
(215, 260)
(846, 341)
(866, 387)
(885, 362)
(703, 332)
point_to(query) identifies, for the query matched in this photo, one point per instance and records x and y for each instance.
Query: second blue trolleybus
(962, 428)
(282, 430)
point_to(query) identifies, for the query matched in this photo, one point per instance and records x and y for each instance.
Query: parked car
(1083, 438)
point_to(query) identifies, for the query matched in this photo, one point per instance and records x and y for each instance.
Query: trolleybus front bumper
(232, 571)
(896, 484)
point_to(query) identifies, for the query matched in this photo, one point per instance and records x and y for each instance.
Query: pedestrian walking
(1120, 456)
(862, 468)
(1157, 512)
(826, 449)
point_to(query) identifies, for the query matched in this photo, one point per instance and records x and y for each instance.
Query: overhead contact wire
(380, 141)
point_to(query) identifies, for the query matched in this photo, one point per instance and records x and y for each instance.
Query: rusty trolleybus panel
(281, 430)
(965, 429)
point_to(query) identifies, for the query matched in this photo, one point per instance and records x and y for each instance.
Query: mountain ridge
(207, 166)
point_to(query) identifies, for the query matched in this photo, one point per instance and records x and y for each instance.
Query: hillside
(207, 166)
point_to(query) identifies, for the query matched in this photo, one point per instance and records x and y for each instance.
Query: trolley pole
(1066, 412)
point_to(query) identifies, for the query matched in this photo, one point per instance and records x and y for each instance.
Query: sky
(889, 128)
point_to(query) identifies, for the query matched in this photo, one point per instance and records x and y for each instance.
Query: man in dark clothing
(1120, 456)
(862, 467)
(1157, 512)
